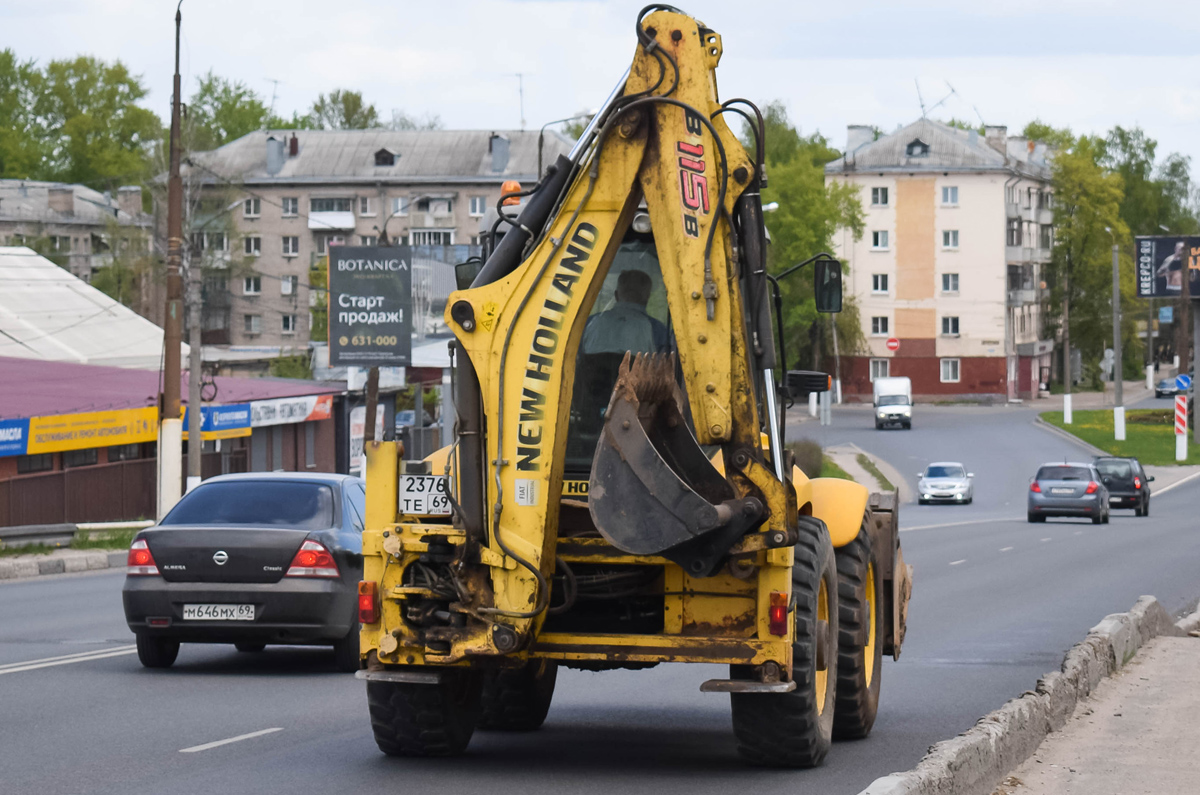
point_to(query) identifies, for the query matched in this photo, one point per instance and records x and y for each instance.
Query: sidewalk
(1133, 392)
(846, 457)
(60, 561)
(1137, 733)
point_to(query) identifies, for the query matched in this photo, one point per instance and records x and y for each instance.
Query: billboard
(1161, 262)
(221, 422)
(370, 306)
(283, 411)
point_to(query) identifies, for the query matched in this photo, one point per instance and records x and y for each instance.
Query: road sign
(893, 344)
(1166, 314)
(1183, 382)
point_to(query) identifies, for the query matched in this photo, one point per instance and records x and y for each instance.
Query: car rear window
(1115, 469)
(262, 503)
(1064, 473)
(944, 472)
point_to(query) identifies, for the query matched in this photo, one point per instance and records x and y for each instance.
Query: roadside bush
(808, 457)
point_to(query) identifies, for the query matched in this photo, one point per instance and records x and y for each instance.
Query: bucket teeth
(647, 377)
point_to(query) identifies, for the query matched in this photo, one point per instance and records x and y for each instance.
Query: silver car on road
(1068, 489)
(945, 481)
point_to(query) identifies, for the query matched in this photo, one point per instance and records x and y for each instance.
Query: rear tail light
(1137, 482)
(313, 560)
(1035, 487)
(777, 623)
(140, 561)
(1092, 486)
(368, 602)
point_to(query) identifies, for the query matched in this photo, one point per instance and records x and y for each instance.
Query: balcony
(1022, 297)
(432, 220)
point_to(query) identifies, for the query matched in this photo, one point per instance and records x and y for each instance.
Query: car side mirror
(920, 474)
(970, 474)
(1149, 478)
(827, 285)
(804, 382)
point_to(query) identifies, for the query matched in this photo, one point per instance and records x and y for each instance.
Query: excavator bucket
(653, 491)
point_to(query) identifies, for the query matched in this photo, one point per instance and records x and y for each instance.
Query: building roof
(37, 388)
(948, 149)
(47, 314)
(347, 156)
(29, 200)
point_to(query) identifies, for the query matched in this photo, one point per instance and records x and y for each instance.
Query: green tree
(343, 110)
(297, 366)
(221, 111)
(404, 121)
(1155, 194)
(95, 132)
(810, 212)
(20, 138)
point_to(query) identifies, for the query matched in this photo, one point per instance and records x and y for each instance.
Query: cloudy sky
(1086, 64)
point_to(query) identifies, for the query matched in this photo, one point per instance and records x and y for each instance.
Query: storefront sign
(221, 422)
(92, 429)
(284, 411)
(1161, 264)
(370, 306)
(13, 436)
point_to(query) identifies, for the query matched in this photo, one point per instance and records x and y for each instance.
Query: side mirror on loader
(827, 284)
(803, 382)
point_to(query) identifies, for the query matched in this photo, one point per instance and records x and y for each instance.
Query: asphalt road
(996, 603)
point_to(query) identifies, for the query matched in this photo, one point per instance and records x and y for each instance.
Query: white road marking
(1044, 540)
(956, 562)
(1179, 482)
(1006, 549)
(239, 738)
(961, 524)
(66, 659)
(1078, 532)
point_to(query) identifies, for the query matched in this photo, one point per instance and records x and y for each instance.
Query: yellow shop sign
(92, 429)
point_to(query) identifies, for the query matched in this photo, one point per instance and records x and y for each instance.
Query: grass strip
(1149, 434)
(866, 463)
(829, 469)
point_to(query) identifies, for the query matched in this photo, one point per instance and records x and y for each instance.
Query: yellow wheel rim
(872, 622)
(822, 615)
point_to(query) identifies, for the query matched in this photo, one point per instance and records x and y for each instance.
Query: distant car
(945, 481)
(1068, 490)
(1127, 483)
(1165, 388)
(251, 559)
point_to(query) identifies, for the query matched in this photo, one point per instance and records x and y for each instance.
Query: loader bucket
(653, 491)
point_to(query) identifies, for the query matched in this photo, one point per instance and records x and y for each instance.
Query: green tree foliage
(94, 131)
(809, 214)
(221, 111)
(343, 110)
(297, 366)
(1155, 194)
(405, 121)
(20, 139)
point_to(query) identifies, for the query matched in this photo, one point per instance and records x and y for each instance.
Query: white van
(893, 402)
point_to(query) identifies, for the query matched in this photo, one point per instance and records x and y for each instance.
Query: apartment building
(272, 203)
(78, 228)
(948, 276)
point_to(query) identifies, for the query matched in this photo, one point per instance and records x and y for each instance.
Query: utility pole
(1118, 374)
(170, 427)
(195, 318)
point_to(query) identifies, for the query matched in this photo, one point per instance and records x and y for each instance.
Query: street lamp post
(1118, 375)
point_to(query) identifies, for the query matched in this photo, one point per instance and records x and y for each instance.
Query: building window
(949, 371)
(478, 206)
(879, 326)
(950, 326)
(364, 206)
(1011, 193)
(400, 205)
(432, 237)
(475, 240)
(441, 207)
(291, 206)
(329, 206)
(252, 246)
(80, 458)
(949, 238)
(950, 196)
(1013, 237)
(879, 239)
(879, 368)
(1045, 200)
(1046, 236)
(949, 282)
(252, 324)
(288, 285)
(217, 241)
(252, 208)
(879, 282)
(291, 245)
(368, 240)
(324, 241)
(879, 197)
(41, 462)
(917, 148)
(124, 452)
(289, 324)
(252, 285)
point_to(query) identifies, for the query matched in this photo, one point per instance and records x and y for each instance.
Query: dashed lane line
(1006, 549)
(66, 659)
(1048, 538)
(956, 562)
(239, 738)
(962, 524)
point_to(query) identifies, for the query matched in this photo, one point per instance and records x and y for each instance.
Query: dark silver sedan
(1068, 490)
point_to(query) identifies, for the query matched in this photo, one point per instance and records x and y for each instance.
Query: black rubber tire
(857, 696)
(425, 720)
(1097, 519)
(250, 648)
(345, 651)
(1035, 518)
(1146, 508)
(908, 426)
(796, 729)
(878, 426)
(156, 652)
(1107, 517)
(517, 699)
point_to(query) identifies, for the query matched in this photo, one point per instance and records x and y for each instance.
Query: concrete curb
(89, 560)
(976, 761)
(1070, 437)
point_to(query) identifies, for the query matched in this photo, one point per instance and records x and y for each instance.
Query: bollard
(1119, 422)
(812, 404)
(1181, 432)
(1067, 409)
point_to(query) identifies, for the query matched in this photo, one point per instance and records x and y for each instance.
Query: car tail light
(368, 602)
(1035, 487)
(140, 561)
(777, 623)
(1137, 482)
(1092, 486)
(313, 560)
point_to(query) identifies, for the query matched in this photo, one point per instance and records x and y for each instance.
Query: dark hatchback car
(1165, 388)
(1128, 484)
(251, 559)
(1068, 490)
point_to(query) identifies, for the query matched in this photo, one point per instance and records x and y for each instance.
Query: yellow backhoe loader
(618, 494)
